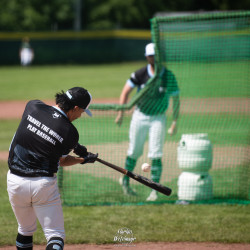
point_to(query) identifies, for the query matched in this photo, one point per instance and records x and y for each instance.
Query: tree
(34, 15)
(40, 15)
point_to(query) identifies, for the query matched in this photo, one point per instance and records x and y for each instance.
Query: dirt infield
(152, 246)
(14, 109)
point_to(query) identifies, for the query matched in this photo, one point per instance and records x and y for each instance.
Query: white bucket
(195, 186)
(195, 153)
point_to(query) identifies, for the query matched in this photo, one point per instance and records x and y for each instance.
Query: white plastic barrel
(195, 186)
(195, 153)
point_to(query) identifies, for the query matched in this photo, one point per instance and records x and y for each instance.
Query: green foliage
(25, 15)
(38, 15)
(110, 13)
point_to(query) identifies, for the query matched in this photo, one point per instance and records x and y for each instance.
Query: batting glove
(80, 150)
(90, 158)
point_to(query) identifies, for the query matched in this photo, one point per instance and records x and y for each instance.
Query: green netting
(207, 161)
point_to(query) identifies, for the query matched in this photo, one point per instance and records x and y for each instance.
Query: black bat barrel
(157, 186)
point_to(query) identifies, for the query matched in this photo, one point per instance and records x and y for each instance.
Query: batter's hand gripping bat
(145, 181)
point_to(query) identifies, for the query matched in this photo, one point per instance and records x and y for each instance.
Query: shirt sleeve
(72, 140)
(130, 83)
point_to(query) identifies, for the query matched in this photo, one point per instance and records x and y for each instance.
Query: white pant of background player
(142, 126)
(26, 56)
(35, 198)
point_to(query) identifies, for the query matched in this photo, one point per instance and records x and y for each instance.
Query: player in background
(26, 53)
(149, 122)
(41, 144)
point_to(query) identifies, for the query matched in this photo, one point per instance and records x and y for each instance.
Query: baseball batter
(149, 118)
(41, 144)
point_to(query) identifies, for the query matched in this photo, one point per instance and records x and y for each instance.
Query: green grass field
(109, 192)
(149, 223)
(155, 222)
(231, 130)
(106, 81)
(44, 81)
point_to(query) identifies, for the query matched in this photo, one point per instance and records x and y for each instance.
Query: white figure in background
(26, 52)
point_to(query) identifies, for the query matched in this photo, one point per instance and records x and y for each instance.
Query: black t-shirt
(43, 136)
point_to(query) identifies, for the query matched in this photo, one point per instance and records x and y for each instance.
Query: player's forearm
(176, 107)
(125, 94)
(123, 98)
(70, 160)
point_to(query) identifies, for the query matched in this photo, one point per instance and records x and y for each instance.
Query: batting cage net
(206, 59)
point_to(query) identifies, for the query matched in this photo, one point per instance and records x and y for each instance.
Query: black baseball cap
(80, 97)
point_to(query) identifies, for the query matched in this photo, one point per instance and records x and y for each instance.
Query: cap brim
(88, 112)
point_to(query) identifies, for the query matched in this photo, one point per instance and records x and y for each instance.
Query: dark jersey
(140, 77)
(156, 100)
(43, 136)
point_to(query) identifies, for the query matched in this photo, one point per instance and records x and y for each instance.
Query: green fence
(207, 161)
(76, 47)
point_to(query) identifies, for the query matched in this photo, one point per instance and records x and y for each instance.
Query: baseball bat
(145, 181)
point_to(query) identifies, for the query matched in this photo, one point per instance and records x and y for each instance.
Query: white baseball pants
(141, 126)
(35, 198)
(26, 56)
